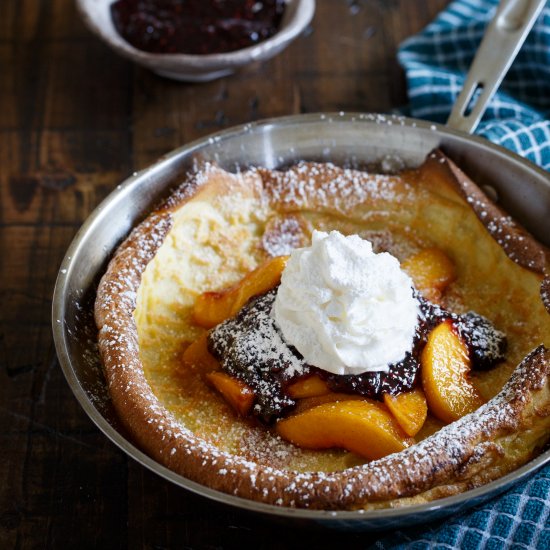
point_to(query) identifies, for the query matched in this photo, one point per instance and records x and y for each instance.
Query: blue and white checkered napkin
(436, 62)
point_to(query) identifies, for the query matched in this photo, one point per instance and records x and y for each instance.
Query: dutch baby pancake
(435, 383)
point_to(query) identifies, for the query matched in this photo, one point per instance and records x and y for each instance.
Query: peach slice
(309, 402)
(197, 355)
(409, 409)
(445, 366)
(431, 271)
(361, 426)
(311, 386)
(238, 394)
(212, 308)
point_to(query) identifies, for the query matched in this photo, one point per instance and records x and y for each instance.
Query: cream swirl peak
(346, 309)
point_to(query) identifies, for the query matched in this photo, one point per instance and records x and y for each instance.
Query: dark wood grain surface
(75, 120)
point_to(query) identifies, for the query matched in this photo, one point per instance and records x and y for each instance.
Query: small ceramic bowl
(197, 68)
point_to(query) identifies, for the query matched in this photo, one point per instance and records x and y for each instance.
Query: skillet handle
(502, 41)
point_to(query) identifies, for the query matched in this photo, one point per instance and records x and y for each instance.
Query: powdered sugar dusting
(282, 236)
(519, 246)
(545, 292)
(251, 341)
(325, 186)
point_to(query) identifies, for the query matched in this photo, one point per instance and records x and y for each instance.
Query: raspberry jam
(196, 26)
(250, 347)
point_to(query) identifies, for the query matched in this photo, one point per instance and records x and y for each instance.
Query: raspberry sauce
(251, 347)
(196, 26)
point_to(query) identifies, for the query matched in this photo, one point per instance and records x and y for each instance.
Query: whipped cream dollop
(346, 309)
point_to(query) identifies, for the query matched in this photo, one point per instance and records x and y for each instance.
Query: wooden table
(75, 120)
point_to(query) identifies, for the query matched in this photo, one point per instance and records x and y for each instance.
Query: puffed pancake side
(218, 226)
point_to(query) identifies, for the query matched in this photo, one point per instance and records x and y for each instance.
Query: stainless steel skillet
(522, 188)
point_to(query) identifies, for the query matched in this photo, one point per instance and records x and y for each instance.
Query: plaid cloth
(435, 62)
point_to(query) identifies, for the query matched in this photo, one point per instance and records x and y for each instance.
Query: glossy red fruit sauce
(196, 26)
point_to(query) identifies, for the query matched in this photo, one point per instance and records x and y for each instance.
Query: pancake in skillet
(219, 226)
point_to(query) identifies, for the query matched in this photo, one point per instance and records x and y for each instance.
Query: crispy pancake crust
(503, 434)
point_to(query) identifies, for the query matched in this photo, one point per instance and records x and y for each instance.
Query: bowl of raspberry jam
(197, 40)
